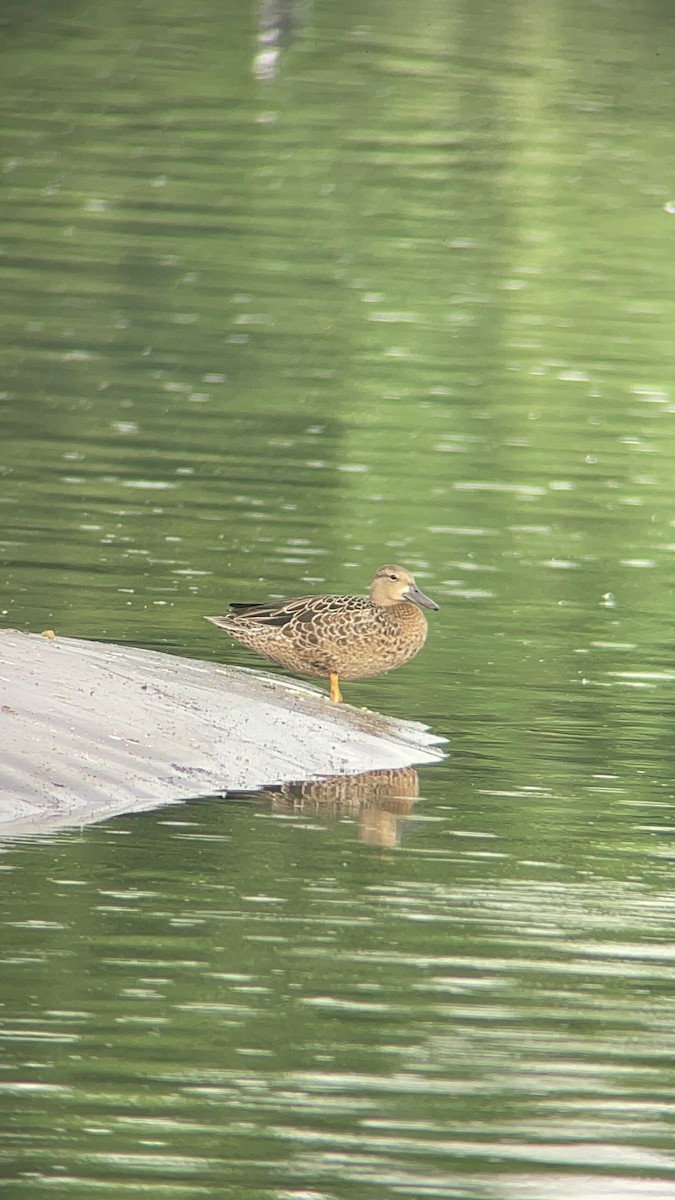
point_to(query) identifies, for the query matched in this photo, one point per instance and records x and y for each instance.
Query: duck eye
(393, 577)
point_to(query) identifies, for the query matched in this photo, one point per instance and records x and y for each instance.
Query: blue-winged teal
(337, 636)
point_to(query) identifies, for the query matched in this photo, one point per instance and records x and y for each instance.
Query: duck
(337, 637)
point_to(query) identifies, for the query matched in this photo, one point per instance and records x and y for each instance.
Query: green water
(399, 288)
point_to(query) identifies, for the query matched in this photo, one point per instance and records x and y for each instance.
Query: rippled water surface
(290, 291)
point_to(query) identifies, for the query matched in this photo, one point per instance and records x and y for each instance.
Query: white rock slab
(88, 730)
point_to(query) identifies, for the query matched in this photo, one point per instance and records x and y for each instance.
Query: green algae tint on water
(290, 292)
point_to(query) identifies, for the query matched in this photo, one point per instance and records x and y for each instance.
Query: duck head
(391, 585)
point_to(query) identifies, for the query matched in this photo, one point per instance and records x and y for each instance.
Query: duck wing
(276, 614)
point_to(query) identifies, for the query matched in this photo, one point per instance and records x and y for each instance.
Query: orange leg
(335, 694)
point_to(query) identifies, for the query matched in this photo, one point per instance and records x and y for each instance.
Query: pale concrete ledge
(88, 730)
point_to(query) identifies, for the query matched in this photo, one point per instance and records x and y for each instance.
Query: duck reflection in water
(379, 801)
